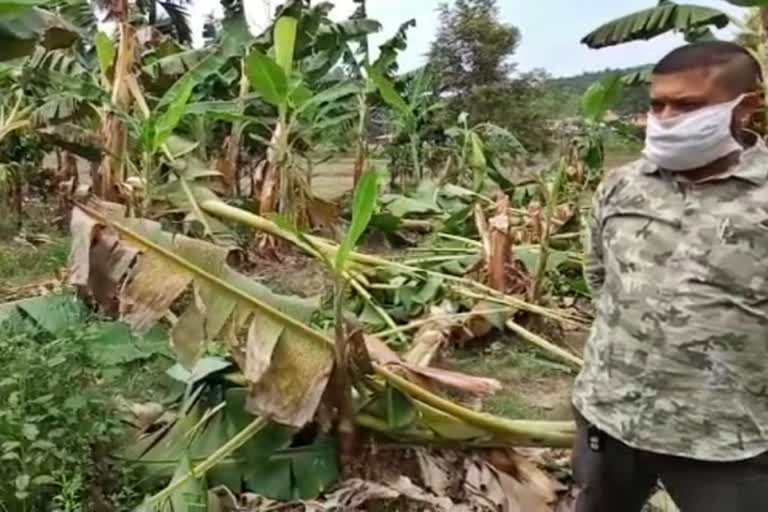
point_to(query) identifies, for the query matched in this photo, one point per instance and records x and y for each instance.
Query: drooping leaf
(71, 137)
(60, 63)
(363, 205)
(387, 59)
(329, 95)
(226, 304)
(207, 66)
(388, 92)
(285, 42)
(649, 23)
(59, 108)
(267, 78)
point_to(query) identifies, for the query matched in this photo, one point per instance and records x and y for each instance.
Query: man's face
(677, 93)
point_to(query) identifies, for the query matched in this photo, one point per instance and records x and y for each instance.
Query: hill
(571, 89)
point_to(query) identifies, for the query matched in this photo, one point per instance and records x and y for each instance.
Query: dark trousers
(619, 478)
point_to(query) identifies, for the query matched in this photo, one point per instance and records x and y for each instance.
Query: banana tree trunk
(111, 172)
(270, 185)
(231, 167)
(500, 245)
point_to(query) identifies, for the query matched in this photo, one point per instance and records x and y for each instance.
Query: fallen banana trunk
(221, 295)
(319, 247)
(144, 274)
(313, 245)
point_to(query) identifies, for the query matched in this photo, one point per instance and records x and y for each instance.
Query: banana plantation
(273, 269)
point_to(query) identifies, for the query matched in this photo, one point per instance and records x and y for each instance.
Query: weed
(56, 420)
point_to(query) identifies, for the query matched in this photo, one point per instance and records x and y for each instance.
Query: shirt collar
(752, 166)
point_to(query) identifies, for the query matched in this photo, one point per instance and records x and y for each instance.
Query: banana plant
(409, 109)
(154, 133)
(480, 149)
(693, 21)
(276, 81)
(14, 117)
(358, 63)
(363, 206)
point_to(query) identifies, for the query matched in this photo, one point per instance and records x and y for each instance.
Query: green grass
(22, 263)
(533, 388)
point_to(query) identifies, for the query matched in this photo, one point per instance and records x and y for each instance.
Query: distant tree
(472, 47)
(471, 59)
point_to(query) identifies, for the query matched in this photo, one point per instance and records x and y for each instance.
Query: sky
(551, 31)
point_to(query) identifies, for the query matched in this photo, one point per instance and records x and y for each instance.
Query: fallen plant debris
(279, 367)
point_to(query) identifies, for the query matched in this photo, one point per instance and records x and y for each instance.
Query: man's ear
(747, 108)
(749, 120)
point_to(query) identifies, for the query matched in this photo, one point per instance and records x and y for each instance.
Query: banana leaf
(224, 306)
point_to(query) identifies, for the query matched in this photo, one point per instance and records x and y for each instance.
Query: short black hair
(742, 72)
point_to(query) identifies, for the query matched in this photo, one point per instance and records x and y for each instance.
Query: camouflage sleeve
(594, 271)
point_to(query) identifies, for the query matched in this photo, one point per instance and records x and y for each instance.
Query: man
(675, 382)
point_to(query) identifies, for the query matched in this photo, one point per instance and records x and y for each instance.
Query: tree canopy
(471, 58)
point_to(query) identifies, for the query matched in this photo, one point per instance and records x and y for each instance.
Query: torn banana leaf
(266, 464)
(266, 333)
(50, 313)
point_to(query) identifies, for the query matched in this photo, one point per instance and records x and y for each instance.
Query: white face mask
(691, 140)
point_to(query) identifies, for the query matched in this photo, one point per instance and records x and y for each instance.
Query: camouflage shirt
(677, 361)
